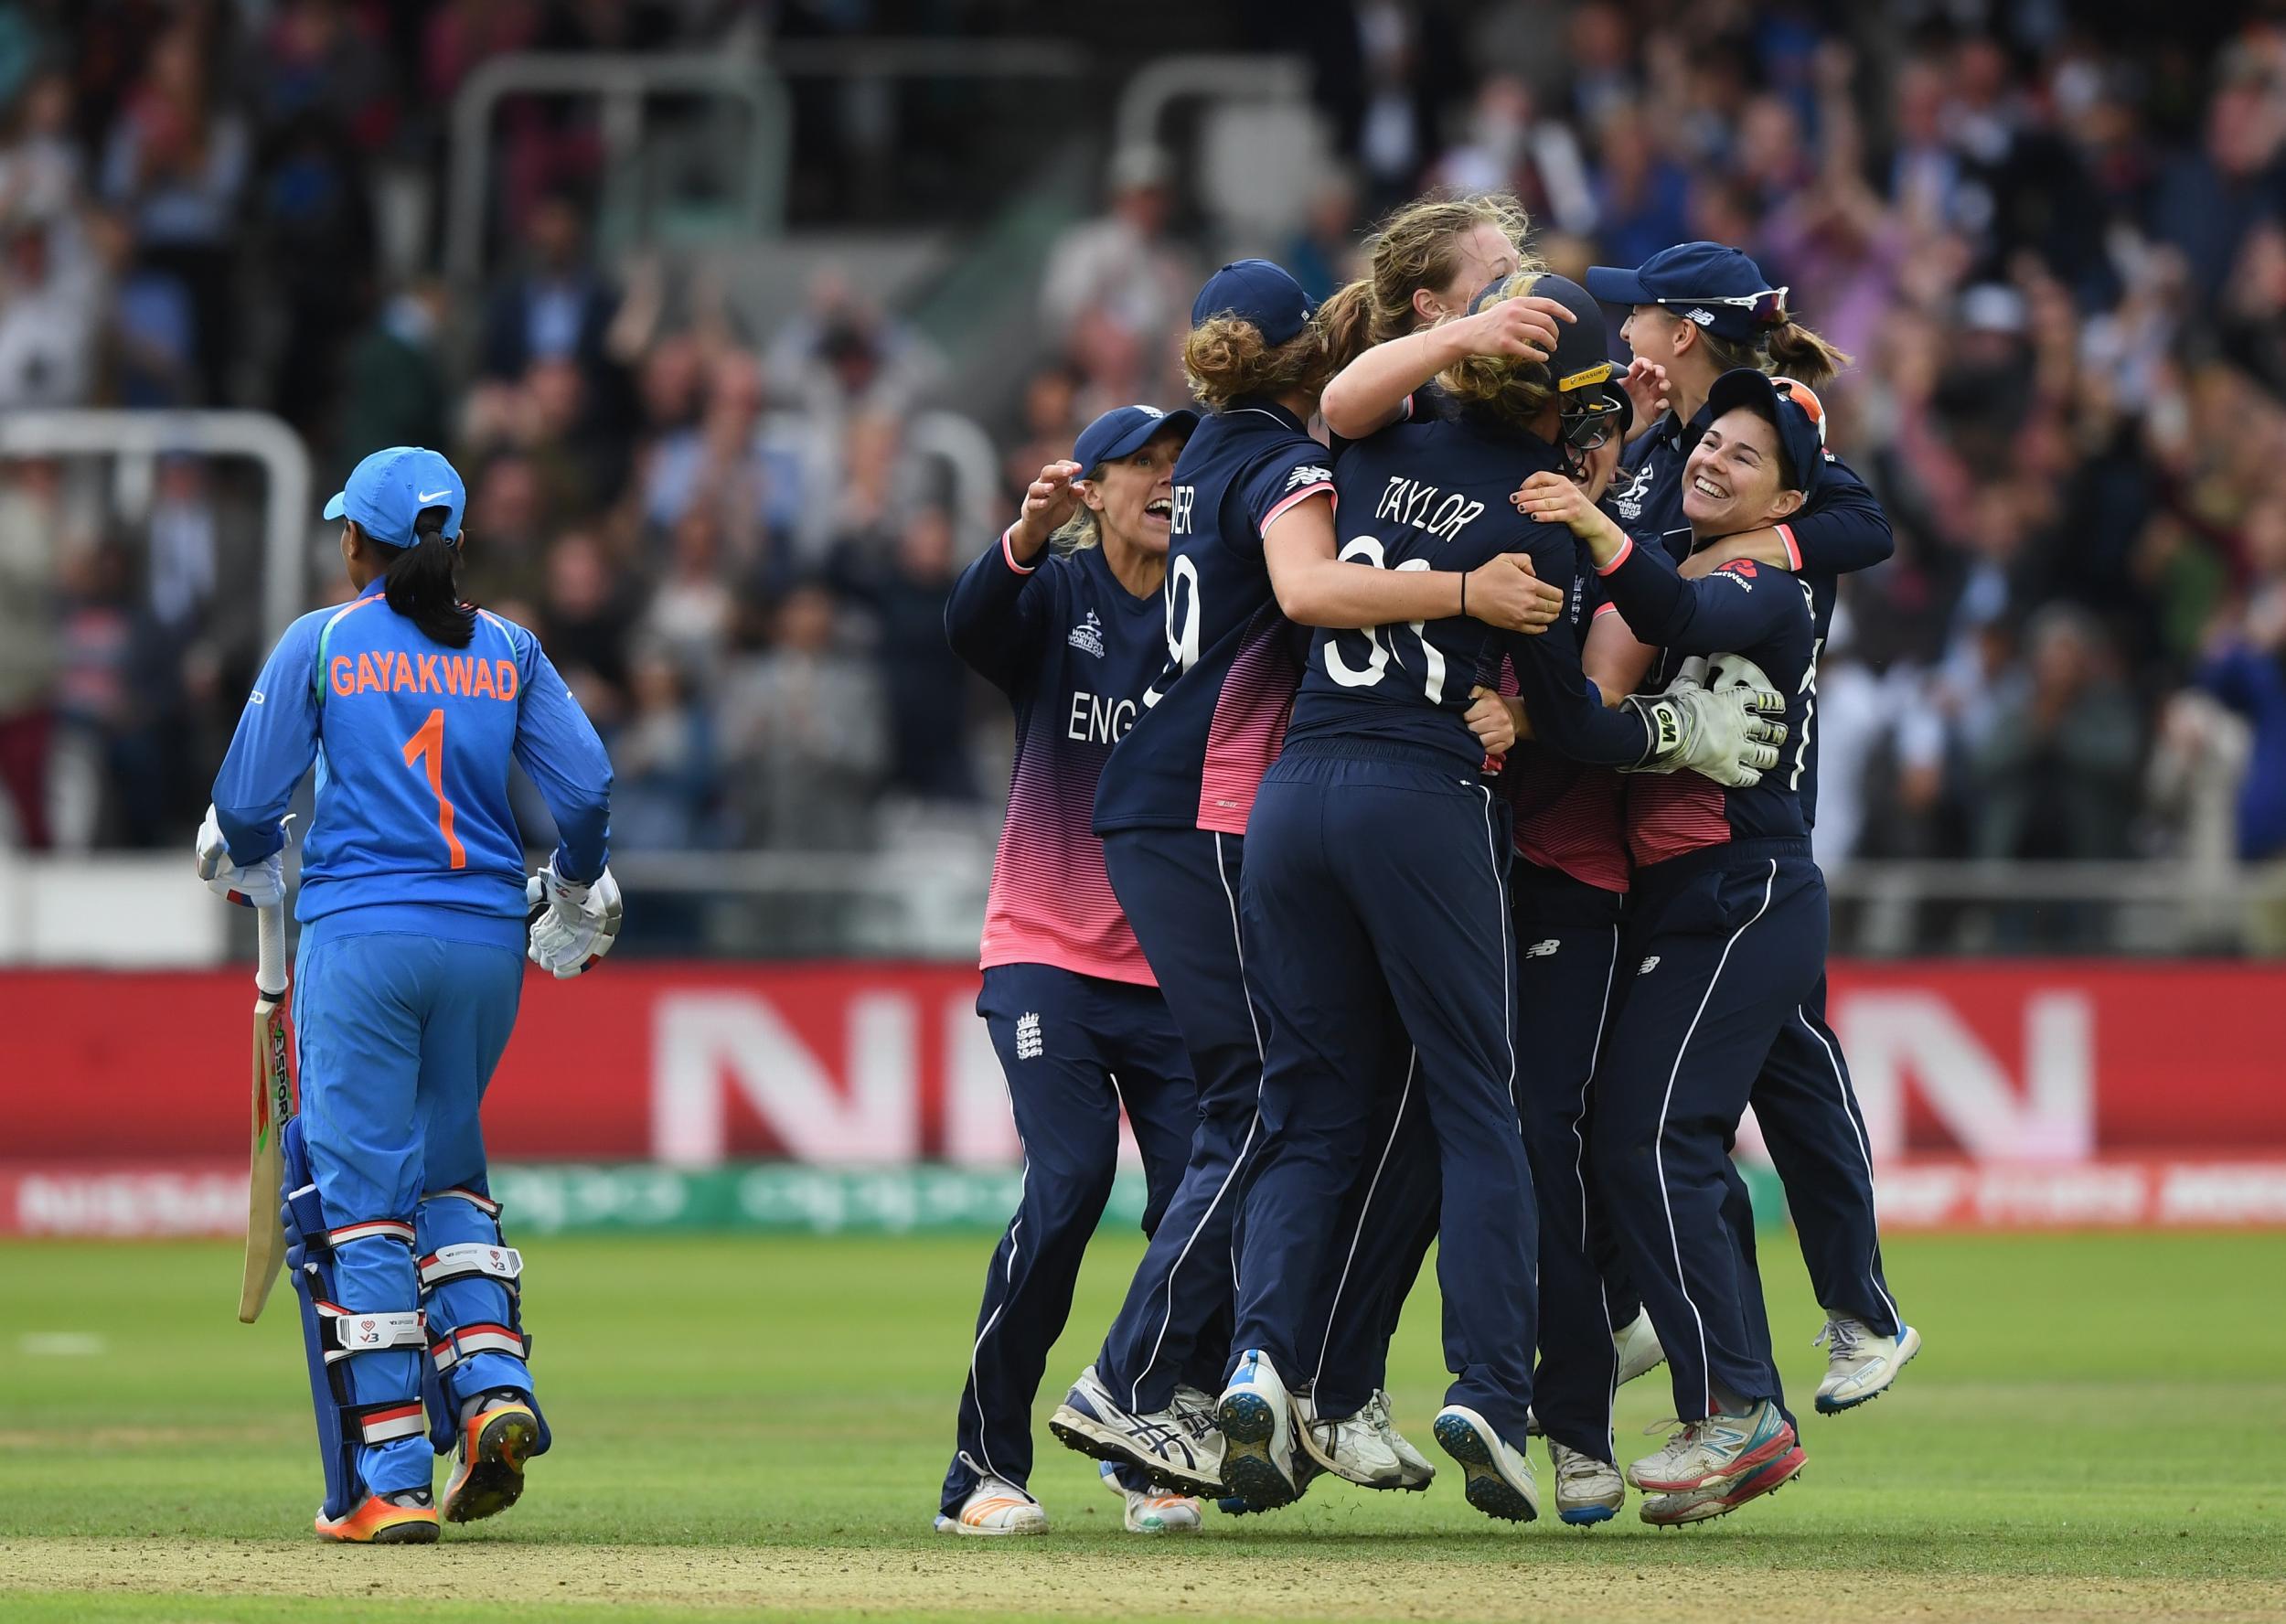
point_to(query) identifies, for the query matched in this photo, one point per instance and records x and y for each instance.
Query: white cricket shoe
(1153, 1511)
(1719, 1499)
(993, 1510)
(1714, 1450)
(1499, 1480)
(1637, 1346)
(1257, 1414)
(1415, 1470)
(1588, 1491)
(1178, 1447)
(1350, 1448)
(1860, 1362)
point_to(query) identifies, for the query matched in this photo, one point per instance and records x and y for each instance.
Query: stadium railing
(287, 509)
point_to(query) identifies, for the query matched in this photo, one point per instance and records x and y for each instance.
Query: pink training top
(1073, 649)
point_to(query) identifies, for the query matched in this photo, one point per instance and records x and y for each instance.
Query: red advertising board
(2035, 1062)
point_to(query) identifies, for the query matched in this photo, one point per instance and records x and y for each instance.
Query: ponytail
(1345, 322)
(1786, 350)
(1227, 360)
(1802, 355)
(421, 581)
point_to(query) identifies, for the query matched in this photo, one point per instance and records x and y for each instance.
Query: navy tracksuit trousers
(1075, 1048)
(1376, 882)
(1567, 963)
(1726, 946)
(1180, 889)
(1816, 1135)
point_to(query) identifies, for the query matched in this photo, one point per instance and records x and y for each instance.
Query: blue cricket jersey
(1073, 650)
(1211, 721)
(1433, 494)
(412, 741)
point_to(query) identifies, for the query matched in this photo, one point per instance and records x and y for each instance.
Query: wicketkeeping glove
(262, 885)
(575, 926)
(1724, 733)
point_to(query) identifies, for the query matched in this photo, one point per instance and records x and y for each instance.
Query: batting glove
(258, 885)
(575, 925)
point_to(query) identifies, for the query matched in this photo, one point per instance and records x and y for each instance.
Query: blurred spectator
(1122, 269)
(49, 314)
(394, 392)
(1320, 252)
(2056, 769)
(926, 685)
(586, 624)
(554, 305)
(662, 763)
(29, 523)
(178, 163)
(804, 722)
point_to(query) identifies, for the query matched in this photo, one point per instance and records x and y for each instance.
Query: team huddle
(1409, 829)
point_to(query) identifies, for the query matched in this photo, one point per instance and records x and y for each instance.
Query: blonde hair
(1084, 528)
(1512, 388)
(1227, 360)
(1415, 248)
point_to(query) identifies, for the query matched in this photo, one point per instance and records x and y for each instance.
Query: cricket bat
(274, 1103)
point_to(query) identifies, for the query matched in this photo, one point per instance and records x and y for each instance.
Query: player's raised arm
(999, 606)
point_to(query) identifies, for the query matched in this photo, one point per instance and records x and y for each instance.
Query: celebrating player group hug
(1409, 829)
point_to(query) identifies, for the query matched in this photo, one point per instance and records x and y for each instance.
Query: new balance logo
(1028, 1044)
(1308, 473)
(1648, 966)
(1088, 636)
(1543, 949)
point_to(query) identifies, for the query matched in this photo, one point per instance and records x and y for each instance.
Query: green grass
(744, 1423)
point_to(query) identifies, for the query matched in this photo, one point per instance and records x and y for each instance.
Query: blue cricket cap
(1255, 291)
(1792, 409)
(387, 490)
(1708, 282)
(1125, 430)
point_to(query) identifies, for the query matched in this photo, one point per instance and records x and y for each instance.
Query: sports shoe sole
(1249, 1423)
(1706, 1508)
(1487, 1491)
(494, 1446)
(404, 1526)
(1589, 1514)
(1076, 1430)
(1907, 1346)
(955, 1525)
(1771, 1449)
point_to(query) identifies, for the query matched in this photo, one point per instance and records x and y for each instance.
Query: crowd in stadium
(2058, 256)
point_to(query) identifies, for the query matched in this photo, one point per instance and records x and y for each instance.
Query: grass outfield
(750, 1425)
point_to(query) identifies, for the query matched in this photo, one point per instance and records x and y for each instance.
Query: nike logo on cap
(432, 496)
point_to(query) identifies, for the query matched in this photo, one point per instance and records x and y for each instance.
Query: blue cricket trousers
(1725, 944)
(1377, 883)
(1567, 963)
(1074, 1049)
(397, 1036)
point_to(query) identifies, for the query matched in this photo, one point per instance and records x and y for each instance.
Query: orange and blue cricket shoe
(495, 1442)
(406, 1518)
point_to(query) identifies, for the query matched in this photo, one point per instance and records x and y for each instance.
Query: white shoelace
(1840, 1338)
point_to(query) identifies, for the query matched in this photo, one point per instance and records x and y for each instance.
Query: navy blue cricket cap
(1254, 291)
(1792, 409)
(387, 491)
(1124, 430)
(1708, 282)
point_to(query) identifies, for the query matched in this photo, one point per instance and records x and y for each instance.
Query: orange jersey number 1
(428, 744)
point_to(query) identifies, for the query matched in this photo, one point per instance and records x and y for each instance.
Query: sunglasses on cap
(1768, 307)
